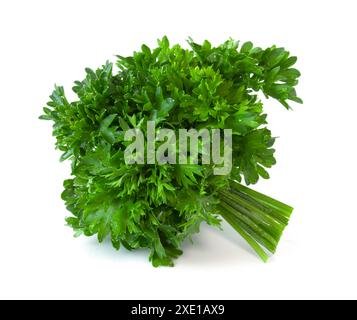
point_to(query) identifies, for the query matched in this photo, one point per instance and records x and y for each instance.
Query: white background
(47, 42)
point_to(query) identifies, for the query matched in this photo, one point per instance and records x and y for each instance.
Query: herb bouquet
(157, 205)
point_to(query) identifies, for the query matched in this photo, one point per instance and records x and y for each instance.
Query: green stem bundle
(259, 219)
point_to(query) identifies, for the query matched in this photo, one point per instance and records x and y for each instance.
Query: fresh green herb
(158, 206)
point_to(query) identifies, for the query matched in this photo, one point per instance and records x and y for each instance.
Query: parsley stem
(262, 218)
(283, 208)
(250, 240)
(257, 217)
(250, 227)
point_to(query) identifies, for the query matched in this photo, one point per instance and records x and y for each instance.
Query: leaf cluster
(158, 206)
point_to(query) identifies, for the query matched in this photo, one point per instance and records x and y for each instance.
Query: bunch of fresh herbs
(159, 206)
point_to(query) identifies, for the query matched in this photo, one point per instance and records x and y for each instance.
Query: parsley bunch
(159, 206)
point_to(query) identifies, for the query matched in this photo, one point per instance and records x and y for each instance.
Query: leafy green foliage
(158, 206)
